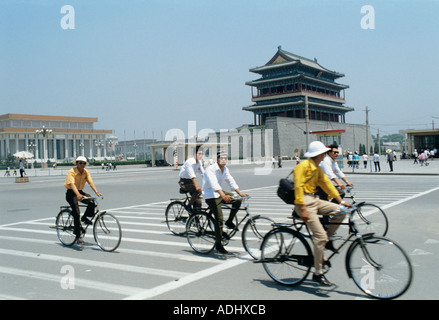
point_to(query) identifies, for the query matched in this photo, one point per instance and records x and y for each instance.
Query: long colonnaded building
(67, 137)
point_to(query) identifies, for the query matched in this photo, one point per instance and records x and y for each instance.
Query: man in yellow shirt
(307, 175)
(75, 183)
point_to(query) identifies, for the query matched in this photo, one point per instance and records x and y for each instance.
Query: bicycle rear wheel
(107, 232)
(379, 267)
(370, 218)
(253, 234)
(200, 231)
(176, 217)
(286, 256)
(65, 227)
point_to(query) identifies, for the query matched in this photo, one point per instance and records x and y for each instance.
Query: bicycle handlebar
(348, 210)
(237, 196)
(91, 198)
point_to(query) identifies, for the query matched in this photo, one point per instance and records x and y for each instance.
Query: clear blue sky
(149, 66)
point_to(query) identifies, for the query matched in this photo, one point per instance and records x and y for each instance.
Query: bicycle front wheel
(379, 267)
(65, 227)
(200, 231)
(370, 218)
(286, 256)
(253, 234)
(176, 217)
(107, 232)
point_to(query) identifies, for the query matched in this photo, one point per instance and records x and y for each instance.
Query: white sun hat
(315, 148)
(81, 158)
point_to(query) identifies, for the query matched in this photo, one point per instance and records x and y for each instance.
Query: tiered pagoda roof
(287, 79)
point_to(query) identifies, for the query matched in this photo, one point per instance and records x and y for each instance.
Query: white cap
(80, 158)
(315, 148)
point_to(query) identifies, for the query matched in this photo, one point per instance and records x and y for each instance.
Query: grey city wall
(282, 136)
(289, 134)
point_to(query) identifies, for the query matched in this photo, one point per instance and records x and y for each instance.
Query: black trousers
(187, 185)
(215, 206)
(73, 202)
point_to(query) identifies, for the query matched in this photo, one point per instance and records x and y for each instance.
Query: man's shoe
(330, 246)
(79, 241)
(219, 247)
(321, 279)
(230, 225)
(86, 221)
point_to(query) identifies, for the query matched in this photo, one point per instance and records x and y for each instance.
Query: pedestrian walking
(365, 158)
(376, 162)
(415, 156)
(350, 159)
(356, 160)
(390, 156)
(279, 161)
(21, 168)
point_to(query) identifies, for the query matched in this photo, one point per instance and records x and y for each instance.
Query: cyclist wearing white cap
(75, 183)
(307, 175)
(214, 195)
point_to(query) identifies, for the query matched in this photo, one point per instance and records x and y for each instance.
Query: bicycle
(107, 231)
(377, 265)
(200, 230)
(369, 218)
(177, 213)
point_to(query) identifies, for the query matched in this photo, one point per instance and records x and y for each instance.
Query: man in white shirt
(330, 166)
(214, 195)
(376, 161)
(188, 179)
(365, 158)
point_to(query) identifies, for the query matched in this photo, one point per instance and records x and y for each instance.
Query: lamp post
(99, 144)
(31, 147)
(45, 132)
(81, 145)
(135, 151)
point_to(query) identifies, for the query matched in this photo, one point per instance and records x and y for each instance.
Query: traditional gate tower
(292, 86)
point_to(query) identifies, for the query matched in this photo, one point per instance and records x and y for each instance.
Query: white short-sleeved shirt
(190, 168)
(331, 169)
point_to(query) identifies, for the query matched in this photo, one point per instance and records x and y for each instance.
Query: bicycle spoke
(65, 228)
(370, 218)
(176, 217)
(286, 256)
(107, 232)
(253, 234)
(200, 233)
(380, 267)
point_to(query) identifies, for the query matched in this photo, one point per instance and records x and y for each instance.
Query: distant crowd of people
(423, 156)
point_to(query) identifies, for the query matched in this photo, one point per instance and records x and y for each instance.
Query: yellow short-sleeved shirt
(306, 178)
(74, 176)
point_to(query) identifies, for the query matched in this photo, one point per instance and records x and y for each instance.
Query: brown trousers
(320, 237)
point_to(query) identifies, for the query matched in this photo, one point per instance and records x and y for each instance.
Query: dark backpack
(285, 190)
